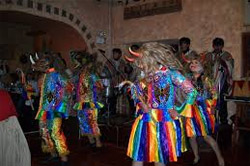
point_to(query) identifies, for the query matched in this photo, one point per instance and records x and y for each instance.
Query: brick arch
(54, 13)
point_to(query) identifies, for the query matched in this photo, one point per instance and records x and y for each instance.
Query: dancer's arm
(183, 83)
(211, 102)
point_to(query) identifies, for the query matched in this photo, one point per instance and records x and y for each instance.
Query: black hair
(117, 50)
(14, 77)
(184, 40)
(128, 69)
(135, 47)
(218, 42)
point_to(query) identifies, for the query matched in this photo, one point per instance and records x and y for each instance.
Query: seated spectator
(13, 145)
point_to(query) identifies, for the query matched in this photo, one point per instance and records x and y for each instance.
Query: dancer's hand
(213, 110)
(148, 110)
(129, 83)
(173, 113)
(144, 107)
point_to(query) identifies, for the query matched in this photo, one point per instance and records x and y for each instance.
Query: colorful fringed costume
(155, 136)
(87, 104)
(52, 109)
(203, 121)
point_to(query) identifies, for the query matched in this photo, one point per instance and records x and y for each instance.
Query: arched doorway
(22, 32)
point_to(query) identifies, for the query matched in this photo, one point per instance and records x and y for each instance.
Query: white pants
(14, 149)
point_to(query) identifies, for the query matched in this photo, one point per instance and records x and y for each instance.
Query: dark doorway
(245, 54)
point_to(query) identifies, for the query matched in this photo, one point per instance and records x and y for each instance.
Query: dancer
(157, 134)
(52, 107)
(203, 121)
(87, 105)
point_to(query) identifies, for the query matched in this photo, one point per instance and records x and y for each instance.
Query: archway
(54, 13)
(21, 33)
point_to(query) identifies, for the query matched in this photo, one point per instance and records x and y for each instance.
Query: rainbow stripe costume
(52, 108)
(155, 135)
(87, 104)
(203, 121)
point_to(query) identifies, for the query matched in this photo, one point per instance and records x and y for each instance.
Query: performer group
(177, 96)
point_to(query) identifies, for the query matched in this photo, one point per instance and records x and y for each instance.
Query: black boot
(50, 159)
(64, 163)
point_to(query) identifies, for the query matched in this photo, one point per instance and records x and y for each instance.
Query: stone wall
(200, 20)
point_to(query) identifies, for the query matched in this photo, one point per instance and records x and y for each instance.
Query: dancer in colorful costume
(86, 104)
(52, 107)
(158, 133)
(203, 121)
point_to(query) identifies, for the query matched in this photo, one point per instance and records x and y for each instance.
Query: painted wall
(200, 20)
(60, 38)
(57, 37)
(88, 17)
(92, 12)
(14, 37)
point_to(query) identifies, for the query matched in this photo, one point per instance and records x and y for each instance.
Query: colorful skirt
(161, 141)
(88, 122)
(87, 115)
(203, 121)
(48, 111)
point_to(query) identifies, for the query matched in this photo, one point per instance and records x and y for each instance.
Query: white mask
(196, 67)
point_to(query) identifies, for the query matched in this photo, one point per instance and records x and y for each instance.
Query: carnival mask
(42, 63)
